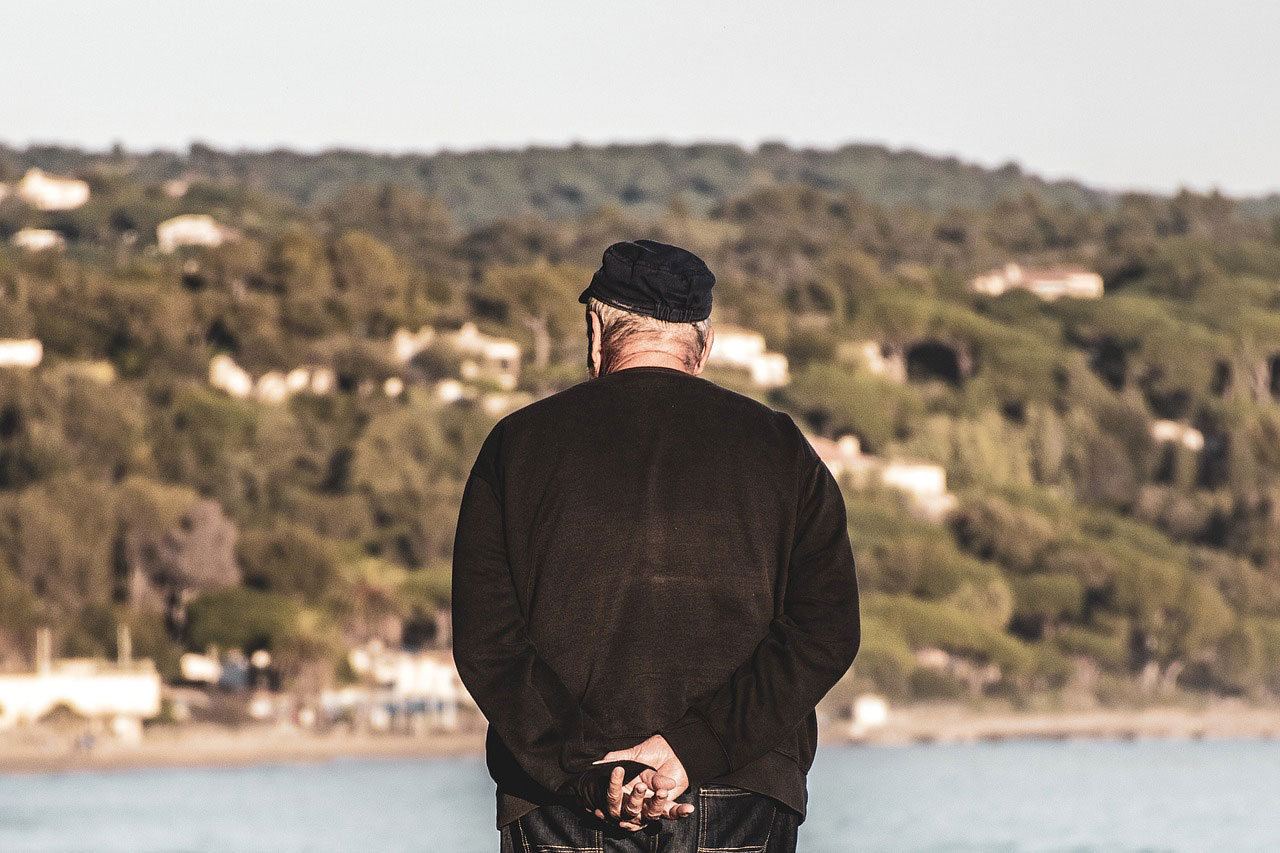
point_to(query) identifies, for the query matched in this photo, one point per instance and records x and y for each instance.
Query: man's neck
(650, 358)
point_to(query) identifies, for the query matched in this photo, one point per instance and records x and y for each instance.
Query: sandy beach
(211, 746)
(960, 724)
(36, 751)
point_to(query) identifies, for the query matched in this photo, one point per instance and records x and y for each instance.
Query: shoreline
(214, 748)
(947, 724)
(39, 753)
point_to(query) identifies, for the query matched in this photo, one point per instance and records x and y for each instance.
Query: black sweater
(649, 552)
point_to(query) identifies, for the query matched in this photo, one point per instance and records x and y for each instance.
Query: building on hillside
(21, 353)
(482, 358)
(226, 375)
(43, 191)
(486, 358)
(495, 404)
(175, 187)
(449, 391)
(406, 344)
(1178, 433)
(877, 358)
(924, 482)
(744, 349)
(844, 458)
(98, 371)
(121, 693)
(191, 229)
(1048, 283)
(38, 240)
(274, 386)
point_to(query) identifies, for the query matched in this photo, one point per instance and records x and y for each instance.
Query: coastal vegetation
(1087, 553)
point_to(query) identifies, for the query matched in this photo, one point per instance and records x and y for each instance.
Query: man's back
(649, 525)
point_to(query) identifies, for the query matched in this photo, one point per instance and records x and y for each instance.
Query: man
(655, 573)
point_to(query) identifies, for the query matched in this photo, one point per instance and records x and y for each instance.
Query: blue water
(1077, 796)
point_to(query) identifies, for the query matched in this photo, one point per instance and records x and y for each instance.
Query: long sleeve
(524, 700)
(807, 649)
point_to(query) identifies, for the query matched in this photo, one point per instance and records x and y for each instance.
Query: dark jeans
(725, 818)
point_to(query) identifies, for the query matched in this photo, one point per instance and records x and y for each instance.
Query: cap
(654, 279)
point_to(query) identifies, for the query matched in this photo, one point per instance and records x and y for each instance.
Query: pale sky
(1152, 94)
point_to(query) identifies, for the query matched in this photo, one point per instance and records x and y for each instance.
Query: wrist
(695, 745)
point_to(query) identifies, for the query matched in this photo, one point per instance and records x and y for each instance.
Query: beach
(959, 724)
(38, 751)
(214, 746)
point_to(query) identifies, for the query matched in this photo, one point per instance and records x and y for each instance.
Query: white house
(924, 482)
(274, 386)
(484, 357)
(1178, 433)
(841, 457)
(271, 387)
(449, 391)
(204, 669)
(191, 229)
(406, 344)
(175, 187)
(1048, 283)
(875, 357)
(744, 349)
(43, 191)
(736, 346)
(21, 353)
(126, 689)
(870, 711)
(226, 375)
(416, 683)
(38, 239)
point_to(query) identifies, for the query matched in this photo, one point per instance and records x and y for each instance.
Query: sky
(1120, 94)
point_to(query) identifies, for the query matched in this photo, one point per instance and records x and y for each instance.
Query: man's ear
(594, 329)
(706, 350)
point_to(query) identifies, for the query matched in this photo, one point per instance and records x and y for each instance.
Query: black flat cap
(654, 279)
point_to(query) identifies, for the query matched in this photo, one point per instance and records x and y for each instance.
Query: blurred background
(270, 272)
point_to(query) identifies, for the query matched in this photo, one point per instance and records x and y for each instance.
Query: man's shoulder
(577, 401)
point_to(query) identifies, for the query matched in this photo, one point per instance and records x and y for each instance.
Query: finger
(613, 796)
(655, 807)
(680, 810)
(661, 783)
(633, 803)
(617, 755)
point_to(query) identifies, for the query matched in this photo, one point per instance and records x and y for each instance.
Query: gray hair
(621, 331)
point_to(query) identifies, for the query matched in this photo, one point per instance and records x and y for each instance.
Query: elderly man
(653, 586)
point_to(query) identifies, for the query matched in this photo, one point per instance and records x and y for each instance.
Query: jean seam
(702, 819)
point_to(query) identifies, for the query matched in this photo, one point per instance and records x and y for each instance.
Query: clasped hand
(652, 794)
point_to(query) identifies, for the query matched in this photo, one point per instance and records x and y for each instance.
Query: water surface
(1018, 796)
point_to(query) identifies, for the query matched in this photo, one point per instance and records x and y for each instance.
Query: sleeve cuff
(697, 747)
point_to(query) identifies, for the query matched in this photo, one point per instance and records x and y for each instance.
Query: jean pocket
(733, 819)
(557, 829)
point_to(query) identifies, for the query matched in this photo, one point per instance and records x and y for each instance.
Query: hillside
(642, 180)
(1093, 554)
